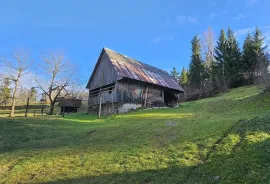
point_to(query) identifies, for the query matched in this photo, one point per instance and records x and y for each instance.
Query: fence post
(42, 109)
(63, 111)
(34, 112)
(27, 106)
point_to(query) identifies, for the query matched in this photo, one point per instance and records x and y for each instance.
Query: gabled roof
(134, 69)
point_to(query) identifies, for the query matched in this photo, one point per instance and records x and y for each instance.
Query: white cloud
(239, 17)
(158, 39)
(241, 32)
(265, 32)
(251, 2)
(186, 20)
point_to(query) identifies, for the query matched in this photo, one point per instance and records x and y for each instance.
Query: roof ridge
(105, 48)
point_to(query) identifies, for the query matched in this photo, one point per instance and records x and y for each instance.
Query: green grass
(225, 139)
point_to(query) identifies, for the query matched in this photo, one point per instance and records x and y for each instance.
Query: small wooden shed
(121, 83)
(69, 105)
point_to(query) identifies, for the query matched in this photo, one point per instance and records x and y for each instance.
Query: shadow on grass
(247, 162)
(237, 167)
(129, 130)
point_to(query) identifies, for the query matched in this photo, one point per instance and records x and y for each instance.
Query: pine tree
(255, 58)
(184, 77)
(220, 54)
(260, 58)
(232, 63)
(195, 69)
(248, 56)
(175, 74)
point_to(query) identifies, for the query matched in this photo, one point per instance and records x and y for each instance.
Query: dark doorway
(68, 109)
(170, 99)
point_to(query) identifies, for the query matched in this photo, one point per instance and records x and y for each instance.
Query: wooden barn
(69, 105)
(121, 83)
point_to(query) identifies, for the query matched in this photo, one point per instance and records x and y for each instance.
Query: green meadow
(224, 139)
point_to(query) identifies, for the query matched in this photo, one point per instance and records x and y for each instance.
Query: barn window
(110, 90)
(160, 94)
(94, 95)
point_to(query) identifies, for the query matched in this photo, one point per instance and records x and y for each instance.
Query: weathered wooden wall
(128, 91)
(104, 73)
(131, 91)
(106, 98)
(106, 109)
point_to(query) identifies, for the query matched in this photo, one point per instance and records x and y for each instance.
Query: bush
(264, 82)
(239, 81)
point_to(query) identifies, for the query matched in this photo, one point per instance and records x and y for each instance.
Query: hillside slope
(225, 139)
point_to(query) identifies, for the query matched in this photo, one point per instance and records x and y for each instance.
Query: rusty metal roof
(134, 69)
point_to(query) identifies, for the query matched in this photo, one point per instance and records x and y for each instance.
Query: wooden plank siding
(108, 96)
(131, 91)
(104, 73)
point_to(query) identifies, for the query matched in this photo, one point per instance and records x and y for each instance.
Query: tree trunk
(13, 100)
(51, 108)
(27, 107)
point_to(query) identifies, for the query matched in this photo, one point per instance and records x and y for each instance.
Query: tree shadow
(246, 162)
(86, 131)
(237, 167)
(243, 161)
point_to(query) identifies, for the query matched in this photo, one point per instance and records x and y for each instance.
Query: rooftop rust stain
(133, 69)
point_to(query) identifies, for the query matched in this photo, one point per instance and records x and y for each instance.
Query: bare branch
(14, 70)
(208, 47)
(59, 73)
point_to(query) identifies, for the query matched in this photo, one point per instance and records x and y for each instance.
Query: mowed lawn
(225, 139)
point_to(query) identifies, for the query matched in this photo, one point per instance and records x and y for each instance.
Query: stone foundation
(128, 107)
(109, 108)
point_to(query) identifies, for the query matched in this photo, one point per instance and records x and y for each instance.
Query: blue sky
(157, 32)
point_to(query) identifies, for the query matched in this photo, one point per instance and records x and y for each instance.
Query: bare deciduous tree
(59, 73)
(208, 47)
(14, 70)
(208, 53)
(77, 90)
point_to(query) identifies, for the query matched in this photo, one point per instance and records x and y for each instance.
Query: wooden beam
(145, 99)
(100, 100)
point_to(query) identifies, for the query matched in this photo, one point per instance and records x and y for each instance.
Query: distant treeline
(217, 67)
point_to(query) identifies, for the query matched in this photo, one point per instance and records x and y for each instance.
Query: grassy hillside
(225, 139)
